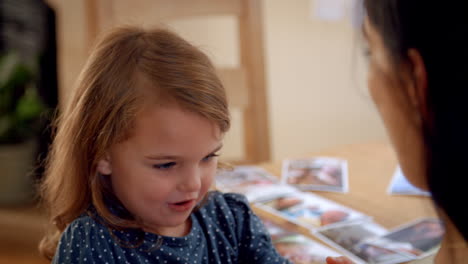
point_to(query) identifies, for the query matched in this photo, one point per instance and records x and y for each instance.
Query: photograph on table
(419, 238)
(378, 255)
(254, 182)
(318, 174)
(310, 210)
(298, 248)
(399, 185)
(275, 230)
(351, 237)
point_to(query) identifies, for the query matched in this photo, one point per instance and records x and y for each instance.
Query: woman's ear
(418, 90)
(104, 165)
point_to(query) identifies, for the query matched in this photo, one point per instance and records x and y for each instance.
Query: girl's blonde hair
(103, 109)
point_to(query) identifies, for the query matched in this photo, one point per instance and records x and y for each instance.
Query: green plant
(20, 105)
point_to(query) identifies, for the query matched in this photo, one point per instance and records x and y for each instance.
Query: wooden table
(370, 168)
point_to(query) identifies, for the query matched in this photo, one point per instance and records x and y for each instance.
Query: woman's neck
(454, 248)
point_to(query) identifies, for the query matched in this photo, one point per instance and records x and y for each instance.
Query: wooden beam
(252, 58)
(72, 40)
(100, 16)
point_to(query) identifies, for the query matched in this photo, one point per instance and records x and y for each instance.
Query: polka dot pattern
(224, 230)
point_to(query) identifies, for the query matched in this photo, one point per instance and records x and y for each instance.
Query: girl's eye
(209, 157)
(164, 166)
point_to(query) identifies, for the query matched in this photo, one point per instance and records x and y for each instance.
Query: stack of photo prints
(401, 186)
(347, 231)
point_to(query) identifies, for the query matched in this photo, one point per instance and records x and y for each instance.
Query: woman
(418, 79)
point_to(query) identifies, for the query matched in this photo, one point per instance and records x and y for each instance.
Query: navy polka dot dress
(224, 230)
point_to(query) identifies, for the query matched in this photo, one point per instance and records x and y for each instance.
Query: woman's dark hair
(439, 31)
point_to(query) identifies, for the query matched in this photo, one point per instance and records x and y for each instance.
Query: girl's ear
(104, 165)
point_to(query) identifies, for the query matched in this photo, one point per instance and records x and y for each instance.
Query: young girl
(134, 156)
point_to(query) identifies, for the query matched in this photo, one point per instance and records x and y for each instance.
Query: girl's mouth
(182, 206)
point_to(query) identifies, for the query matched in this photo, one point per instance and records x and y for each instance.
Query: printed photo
(351, 239)
(297, 248)
(419, 238)
(349, 235)
(275, 230)
(320, 174)
(310, 210)
(243, 176)
(302, 250)
(378, 255)
(399, 185)
(253, 182)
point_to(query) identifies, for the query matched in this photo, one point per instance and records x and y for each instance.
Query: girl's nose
(191, 182)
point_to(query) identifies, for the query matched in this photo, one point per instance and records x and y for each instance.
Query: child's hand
(339, 260)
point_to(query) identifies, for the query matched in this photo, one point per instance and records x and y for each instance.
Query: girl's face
(393, 92)
(165, 168)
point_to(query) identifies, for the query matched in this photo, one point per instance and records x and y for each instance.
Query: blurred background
(294, 73)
